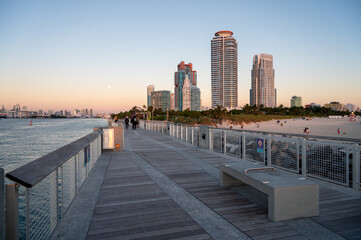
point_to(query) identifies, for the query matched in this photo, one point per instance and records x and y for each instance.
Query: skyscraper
(172, 101)
(161, 99)
(296, 101)
(191, 96)
(224, 70)
(150, 89)
(179, 77)
(263, 90)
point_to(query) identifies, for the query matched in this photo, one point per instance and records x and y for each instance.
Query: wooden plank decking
(132, 205)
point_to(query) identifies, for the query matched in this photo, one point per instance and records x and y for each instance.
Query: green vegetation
(248, 114)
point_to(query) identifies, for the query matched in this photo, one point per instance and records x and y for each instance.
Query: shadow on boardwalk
(161, 188)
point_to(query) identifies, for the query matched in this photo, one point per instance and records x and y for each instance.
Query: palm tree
(247, 109)
(219, 112)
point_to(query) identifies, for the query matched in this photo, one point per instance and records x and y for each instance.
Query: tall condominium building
(296, 101)
(161, 99)
(350, 107)
(191, 96)
(263, 90)
(172, 101)
(224, 70)
(336, 106)
(150, 89)
(179, 77)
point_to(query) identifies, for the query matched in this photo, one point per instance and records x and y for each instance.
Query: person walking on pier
(134, 122)
(126, 121)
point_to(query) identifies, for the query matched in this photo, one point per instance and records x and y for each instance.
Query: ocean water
(21, 142)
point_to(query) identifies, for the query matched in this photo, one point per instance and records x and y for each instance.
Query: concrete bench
(289, 195)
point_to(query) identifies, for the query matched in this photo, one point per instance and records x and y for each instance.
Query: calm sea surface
(21, 143)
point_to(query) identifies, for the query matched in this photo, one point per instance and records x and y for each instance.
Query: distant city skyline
(23, 111)
(103, 54)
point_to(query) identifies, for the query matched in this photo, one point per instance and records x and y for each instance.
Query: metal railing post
(356, 167)
(298, 155)
(181, 129)
(58, 213)
(192, 135)
(269, 149)
(240, 145)
(224, 142)
(210, 140)
(304, 157)
(87, 163)
(186, 133)
(243, 145)
(12, 212)
(27, 199)
(62, 191)
(76, 172)
(2, 204)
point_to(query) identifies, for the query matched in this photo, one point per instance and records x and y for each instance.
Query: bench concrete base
(289, 196)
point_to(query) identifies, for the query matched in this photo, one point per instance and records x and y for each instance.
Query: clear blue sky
(103, 54)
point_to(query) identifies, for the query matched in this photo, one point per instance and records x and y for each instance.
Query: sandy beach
(316, 126)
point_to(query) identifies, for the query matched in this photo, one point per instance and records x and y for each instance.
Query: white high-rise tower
(224, 70)
(263, 90)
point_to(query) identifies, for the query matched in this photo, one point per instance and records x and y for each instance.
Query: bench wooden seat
(289, 195)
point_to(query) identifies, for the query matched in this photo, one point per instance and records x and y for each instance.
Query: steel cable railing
(49, 184)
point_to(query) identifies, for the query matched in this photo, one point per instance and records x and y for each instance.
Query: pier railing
(331, 159)
(45, 188)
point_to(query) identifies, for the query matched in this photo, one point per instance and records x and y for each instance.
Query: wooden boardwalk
(132, 205)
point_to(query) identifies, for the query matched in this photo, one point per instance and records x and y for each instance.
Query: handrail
(30, 174)
(342, 139)
(2, 204)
